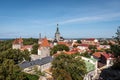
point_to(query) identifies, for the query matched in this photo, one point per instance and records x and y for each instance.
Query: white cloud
(105, 17)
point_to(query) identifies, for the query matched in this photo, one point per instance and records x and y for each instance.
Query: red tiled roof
(64, 43)
(26, 47)
(106, 55)
(18, 41)
(45, 43)
(97, 54)
(85, 45)
(70, 52)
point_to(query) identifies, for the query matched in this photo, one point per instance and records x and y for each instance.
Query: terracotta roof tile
(64, 43)
(97, 54)
(18, 41)
(45, 43)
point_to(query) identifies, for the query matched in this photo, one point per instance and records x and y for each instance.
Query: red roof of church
(18, 41)
(45, 43)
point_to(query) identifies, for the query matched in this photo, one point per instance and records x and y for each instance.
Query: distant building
(90, 41)
(44, 48)
(40, 64)
(83, 47)
(17, 43)
(105, 58)
(57, 36)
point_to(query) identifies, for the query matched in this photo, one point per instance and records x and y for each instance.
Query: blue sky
(76, 18)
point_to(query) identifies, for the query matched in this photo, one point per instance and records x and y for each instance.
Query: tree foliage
(92, 48)
(5, 45)
(35, 49)
(9, 58)
(116, 50)
(30, 41)
(79, 41)
(118, 35)
(16, 55)
(59, 47)
(86, 54)
(68, 67)
(10, 71)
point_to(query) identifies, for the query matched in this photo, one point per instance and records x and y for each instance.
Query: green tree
(59, 47)
(68, 67)
(10, 71)
(16, 55)
(92, 48)
(5, 45)
(35, 49)
(116, 50)
(118, 35)
(86, 54)
(29, 41)
(79, 41)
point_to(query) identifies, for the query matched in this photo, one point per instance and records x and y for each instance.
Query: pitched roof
(36, 62)
(97, 54)
(18, 41)
(26, 47)
(64, 43)
(45, 43)
(106, 55)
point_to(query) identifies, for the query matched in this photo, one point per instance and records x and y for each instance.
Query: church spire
(57, 31)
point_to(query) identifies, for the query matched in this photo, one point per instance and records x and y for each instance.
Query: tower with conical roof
(57, 34)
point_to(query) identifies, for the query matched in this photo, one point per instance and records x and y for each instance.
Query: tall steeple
(57, 31)
(57, 34)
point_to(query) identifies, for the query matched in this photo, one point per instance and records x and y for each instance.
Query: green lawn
(89, 66)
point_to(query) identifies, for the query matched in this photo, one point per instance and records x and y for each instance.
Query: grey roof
(36, 62)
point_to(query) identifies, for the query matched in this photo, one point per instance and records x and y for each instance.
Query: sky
(76, 18)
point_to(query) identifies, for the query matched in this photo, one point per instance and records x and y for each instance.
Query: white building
(44, 48)
(17, 43)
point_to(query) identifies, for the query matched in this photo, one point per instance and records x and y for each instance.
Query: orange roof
(64, 43)
(73, 51)
(26, 47)
(97, 54)
(45, 43)
(18, 41)
(69, 52)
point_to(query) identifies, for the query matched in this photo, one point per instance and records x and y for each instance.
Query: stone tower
(57, 34)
